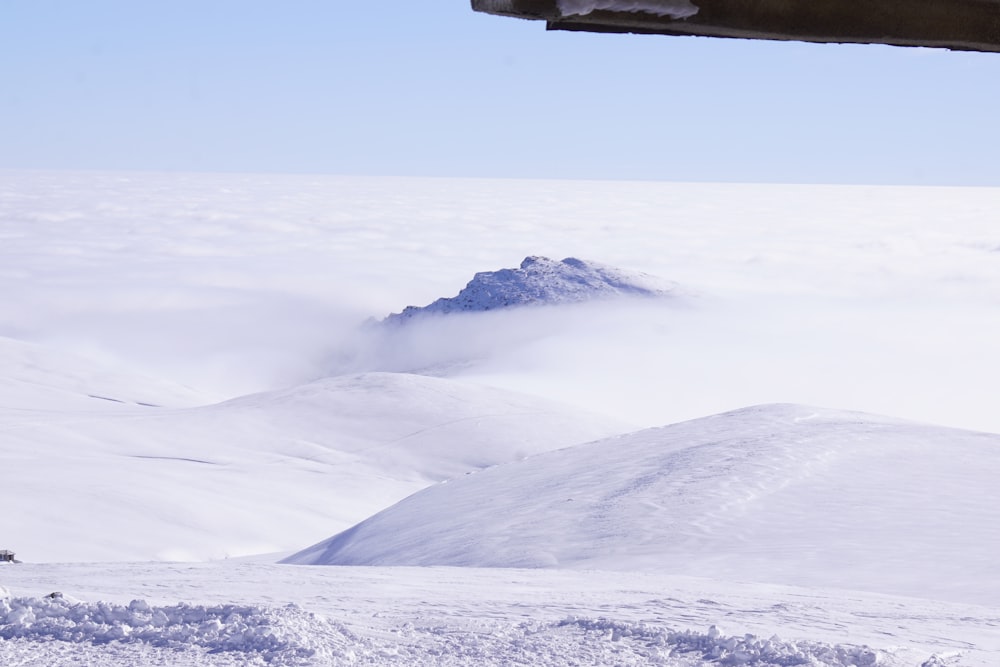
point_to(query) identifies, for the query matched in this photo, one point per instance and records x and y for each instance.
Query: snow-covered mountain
(543, 281)
(778, 493)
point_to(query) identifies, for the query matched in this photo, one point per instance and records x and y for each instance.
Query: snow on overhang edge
(675, 9)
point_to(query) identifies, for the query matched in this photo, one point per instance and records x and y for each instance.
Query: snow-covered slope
(543, 281)
(262, 473)
(777, 493)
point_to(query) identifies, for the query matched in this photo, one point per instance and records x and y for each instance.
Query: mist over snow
(504, 313)
(878, 299)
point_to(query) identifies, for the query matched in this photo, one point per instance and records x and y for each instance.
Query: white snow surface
(780, 493)
(677, 9)
(543, 281)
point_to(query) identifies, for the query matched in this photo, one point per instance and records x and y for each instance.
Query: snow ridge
(540, 281)
(714, 646)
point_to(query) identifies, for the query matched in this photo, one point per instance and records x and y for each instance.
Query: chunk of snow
(273, 635)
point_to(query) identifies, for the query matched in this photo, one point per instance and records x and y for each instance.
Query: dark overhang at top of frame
(965, 25)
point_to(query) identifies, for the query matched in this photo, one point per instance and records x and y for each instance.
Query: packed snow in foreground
(445, 616)
(289, 636)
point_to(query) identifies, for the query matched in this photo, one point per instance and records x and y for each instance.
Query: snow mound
(276, 636)
(541, 281)
(777, 493)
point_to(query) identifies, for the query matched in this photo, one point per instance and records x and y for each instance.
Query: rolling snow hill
(543, 281)
(777, 493)
(261, 473)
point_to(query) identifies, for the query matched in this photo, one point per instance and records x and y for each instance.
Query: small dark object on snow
(54, 596)
(7, 556)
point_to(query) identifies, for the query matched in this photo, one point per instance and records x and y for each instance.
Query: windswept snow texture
(543, 281)
(779, 493)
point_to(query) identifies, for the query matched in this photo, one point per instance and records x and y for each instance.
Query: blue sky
(431, 88)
